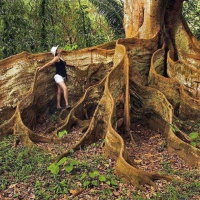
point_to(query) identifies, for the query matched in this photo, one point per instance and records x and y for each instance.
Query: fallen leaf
(148, 155)
(116, 193)
(73, 192)
(137, 162)
(154, 137)
(160, 143)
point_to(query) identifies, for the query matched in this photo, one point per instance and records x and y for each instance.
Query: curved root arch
(104, 89)
(185, 105)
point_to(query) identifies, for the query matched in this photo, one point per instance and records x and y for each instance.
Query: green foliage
(14, 27)
(62, 161)
(87, 179)
(94, 178)
(194, 136)
(35, 26)
(174, 128)
(71, 165)
(62, 133)
(191, 12)
(70, 47)
(54, 168)
(20, 163)
(102, 178)
(167, 167)
(32, 166)
(53, 117)
(112, 10)
(93, 174)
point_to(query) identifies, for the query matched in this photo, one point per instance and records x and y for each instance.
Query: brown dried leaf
(137, 162)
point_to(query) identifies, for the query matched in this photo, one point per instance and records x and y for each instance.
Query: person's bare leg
(65, 91)
(59, 95)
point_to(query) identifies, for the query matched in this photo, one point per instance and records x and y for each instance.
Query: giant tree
(152, 76)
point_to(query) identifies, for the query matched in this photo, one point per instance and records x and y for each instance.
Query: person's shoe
(59, 109)
(68, 106)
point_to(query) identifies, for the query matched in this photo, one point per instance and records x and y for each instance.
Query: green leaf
(62, 161)
(83, 175)
(71, 151)
(102, 178)
(95, 183)
(63, 183)
(93, 174)
(194, 144)
(113, 182)
(173, 128)
(108, 191)
(194, 135)
(54, 168)
(69, 168)
(86, 183)
(74, 162)
(108, 182)
(61, 133)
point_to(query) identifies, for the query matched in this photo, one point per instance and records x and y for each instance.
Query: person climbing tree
(60, 75)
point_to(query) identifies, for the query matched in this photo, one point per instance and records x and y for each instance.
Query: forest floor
(149, 152)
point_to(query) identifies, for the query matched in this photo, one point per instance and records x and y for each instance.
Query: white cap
(53, 50)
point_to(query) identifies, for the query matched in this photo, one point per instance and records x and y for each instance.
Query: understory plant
(194, 136)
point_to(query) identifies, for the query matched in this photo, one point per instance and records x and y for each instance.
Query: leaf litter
(149, 153)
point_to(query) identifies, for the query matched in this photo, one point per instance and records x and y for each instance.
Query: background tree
(83, 24)
(35, 26)
(191, 11)
(14, 27)
(113, 13)
(41, 24)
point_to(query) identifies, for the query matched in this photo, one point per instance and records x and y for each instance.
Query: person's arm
(49, 63)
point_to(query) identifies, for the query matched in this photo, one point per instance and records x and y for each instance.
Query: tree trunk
(152, 75)
(43, 29)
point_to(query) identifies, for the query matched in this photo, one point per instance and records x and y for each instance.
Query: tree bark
(151, 75)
